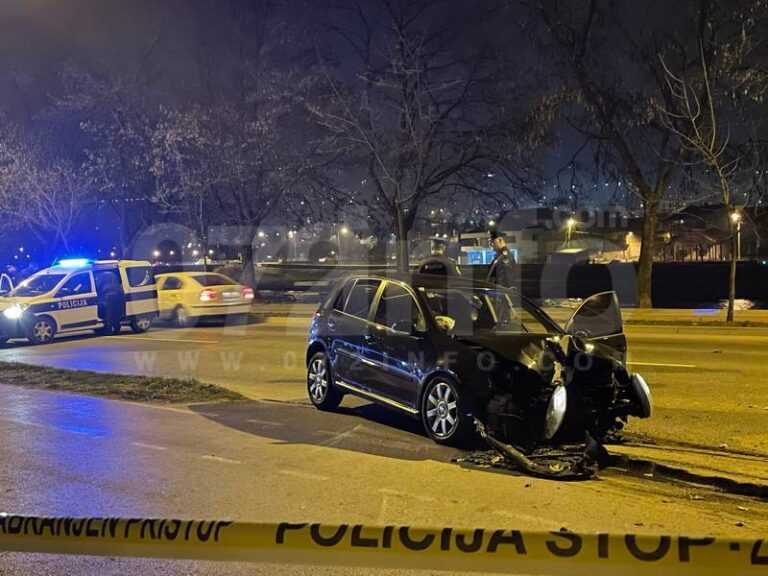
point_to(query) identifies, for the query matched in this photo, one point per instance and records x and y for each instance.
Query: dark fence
(675, 285)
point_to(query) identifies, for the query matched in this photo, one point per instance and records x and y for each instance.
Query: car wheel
(181, 318)
(42, 331)
(141, 324)
(443, 413)
(322, 392)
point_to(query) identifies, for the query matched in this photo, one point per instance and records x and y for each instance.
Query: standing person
(111, 300)
(439, 262)
(502, 269)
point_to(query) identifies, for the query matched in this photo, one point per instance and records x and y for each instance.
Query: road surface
(64, 454)
(708, 382)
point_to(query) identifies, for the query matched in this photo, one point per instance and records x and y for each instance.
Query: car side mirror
(403, 326)
(445, 323)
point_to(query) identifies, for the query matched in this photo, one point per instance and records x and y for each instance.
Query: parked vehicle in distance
(449, 350)
(78, 294)
(186, 297)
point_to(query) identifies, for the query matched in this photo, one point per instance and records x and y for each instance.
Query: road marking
(220, 459)
(304, 475)
(662, 365)
(265, 422)
(150, 446)
(398, 493)
(173, 340)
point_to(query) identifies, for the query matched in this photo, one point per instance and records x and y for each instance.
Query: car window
(475, 309)
(398, 310)
(172, 283)
(341, 297)
(361, 297)
(38, 285)
(78, 284)
(139, 276)
(6, 284)
(107, 279)
(214, 280)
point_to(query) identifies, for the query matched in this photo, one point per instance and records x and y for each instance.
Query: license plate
(231, 295)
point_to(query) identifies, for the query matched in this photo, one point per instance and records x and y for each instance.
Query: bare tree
(606, 60)
(116, 122)
(412, 109)
(39, 193)
(694, 121)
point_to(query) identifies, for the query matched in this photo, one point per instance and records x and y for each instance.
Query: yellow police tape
(403, 547)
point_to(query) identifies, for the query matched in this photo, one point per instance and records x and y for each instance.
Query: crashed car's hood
(526, 348)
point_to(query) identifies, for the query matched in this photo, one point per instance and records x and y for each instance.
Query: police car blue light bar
(73, 262)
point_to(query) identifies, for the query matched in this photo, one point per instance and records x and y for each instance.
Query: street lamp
(341, 231)
(570, 224)
(736, 221)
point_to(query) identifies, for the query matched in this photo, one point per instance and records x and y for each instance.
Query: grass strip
(122, 387)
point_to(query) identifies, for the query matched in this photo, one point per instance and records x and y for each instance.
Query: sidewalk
(677, 316)
(646, 316)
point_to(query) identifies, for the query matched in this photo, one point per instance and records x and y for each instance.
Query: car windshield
(38, 285)
(214, 280)
(480, 309)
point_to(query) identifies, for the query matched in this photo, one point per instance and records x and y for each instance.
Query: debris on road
(578, 462)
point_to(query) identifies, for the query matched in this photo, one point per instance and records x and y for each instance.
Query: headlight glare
(14, 312)
(643, 395)
(558, 404)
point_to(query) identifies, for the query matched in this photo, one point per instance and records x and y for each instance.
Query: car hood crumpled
(528, 349)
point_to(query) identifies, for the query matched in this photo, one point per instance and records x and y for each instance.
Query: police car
(77, 295)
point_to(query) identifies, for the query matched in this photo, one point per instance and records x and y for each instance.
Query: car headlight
(643, 393)
(14, 312)
(558, 403)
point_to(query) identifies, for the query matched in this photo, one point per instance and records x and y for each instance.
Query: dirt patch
(135, 388)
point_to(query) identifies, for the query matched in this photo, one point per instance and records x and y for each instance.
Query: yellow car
(186, 297)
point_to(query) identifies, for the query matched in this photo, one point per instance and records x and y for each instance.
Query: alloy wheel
(318, 380)
(442, 413)
(42, 331)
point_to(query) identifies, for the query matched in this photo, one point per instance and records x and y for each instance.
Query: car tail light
(209, 295)
(247, 294)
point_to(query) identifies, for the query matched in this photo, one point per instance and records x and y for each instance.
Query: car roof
(427, 280)
(191, 273)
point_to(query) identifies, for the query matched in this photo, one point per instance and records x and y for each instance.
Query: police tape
(403, 547)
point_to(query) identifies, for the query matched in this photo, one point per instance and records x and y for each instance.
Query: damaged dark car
(470, 358)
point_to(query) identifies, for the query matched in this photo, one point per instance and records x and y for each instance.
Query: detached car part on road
(77, 295)
(449, 351)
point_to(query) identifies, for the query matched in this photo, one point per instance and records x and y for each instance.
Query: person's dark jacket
(442, 265)
(502, 271)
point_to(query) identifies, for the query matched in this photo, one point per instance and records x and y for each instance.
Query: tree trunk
(401, 233)
(249, 275)
(647, 249)
(732, 278)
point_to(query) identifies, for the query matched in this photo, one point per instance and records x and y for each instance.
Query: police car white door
(76, 305)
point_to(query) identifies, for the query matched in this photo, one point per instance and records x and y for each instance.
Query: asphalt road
(708, 382)
(64, 454)
(276, 458)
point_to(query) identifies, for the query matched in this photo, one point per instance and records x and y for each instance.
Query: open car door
(598, 320)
